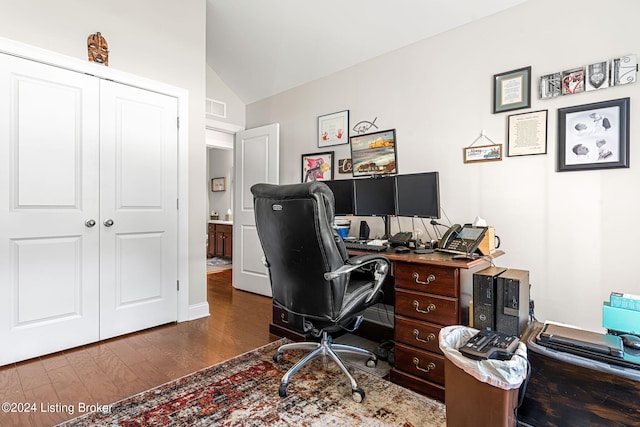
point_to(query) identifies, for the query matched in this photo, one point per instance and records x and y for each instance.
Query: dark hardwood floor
(54, 387)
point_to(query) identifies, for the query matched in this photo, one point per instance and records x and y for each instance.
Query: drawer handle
(430, 367)
(430, 278)
(431, 307)
(416, 334)
(283, 318)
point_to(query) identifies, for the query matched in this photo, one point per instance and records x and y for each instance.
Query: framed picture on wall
(218, 184)
(483, 153)
(512, 90)
(527, 134)
(317, 166)
(374, 153)
(594, 136)
(333, 129)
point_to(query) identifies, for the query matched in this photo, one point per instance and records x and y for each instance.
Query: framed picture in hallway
(218, 184)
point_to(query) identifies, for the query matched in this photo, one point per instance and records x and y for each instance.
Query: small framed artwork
(482, 153)
(344, 166)
(218, 184)
(512, 90)
(333, 129)
(527, 134)
(594, 136)
(317, 166)
(374, 153)
(597, 76)
(573, 81)
(624, 70)
(550, 86)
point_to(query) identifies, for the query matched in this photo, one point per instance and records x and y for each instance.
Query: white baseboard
(198, 311)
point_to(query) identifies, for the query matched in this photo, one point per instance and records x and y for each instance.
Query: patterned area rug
(243, 391)
(217, 262)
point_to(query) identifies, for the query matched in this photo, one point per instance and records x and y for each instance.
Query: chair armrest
(355, 263)
(381, 268)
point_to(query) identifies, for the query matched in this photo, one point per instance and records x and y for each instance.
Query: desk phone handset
(464, 239)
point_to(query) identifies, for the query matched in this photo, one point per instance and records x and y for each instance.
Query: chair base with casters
(326, 348)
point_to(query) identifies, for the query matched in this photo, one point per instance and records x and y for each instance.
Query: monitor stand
(387, 227)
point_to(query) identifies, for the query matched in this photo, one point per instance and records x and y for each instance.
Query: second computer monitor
(343, 196)
(418, 195)
(375, 196)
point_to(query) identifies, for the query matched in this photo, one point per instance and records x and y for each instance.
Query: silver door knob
(90, 223)
(108, 222)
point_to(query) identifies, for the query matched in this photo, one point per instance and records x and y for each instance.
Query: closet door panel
(49, 267)
(138, 193)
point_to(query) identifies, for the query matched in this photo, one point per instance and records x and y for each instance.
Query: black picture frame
(594, 136)
(512, 90)
(374, 153)
(527, 133)
(317, 166)
(333, 129)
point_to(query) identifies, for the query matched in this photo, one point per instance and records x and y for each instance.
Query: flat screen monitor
(418, 195)
(343, 195)
(375, 196)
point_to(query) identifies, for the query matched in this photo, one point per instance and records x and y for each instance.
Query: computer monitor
(418, 195)
(343, 194)
(375, 196)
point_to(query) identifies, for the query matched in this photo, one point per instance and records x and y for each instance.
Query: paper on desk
(377, 242)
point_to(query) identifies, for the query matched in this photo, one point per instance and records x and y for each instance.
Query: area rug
(217, 262)
(243, 391)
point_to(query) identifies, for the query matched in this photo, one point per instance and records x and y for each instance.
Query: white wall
(218, 90)
(573, 231)
(220, 165)
(163, 41)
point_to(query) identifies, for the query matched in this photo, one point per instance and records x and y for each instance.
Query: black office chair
(311, 273)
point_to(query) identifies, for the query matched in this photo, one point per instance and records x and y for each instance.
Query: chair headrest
(292, 191)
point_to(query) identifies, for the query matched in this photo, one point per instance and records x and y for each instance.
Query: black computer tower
(512, 302)
(484, 297)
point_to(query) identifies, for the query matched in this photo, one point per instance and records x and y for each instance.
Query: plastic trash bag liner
(504, 374)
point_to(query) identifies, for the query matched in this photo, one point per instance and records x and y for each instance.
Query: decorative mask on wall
(98, 49)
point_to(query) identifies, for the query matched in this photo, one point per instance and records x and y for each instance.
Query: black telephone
(400, 239)
(462, 239)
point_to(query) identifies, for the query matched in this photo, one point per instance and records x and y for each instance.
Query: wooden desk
(430, 291)
(568, 390)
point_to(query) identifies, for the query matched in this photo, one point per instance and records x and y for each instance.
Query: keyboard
(365, 247)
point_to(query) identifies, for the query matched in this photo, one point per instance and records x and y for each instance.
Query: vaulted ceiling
(263, 47)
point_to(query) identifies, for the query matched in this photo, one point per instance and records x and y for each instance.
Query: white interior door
(138, 209)
(256, 159)
(49, 261)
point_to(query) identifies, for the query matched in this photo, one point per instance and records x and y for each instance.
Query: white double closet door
(88, 209)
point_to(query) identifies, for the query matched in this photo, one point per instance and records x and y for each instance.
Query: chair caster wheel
(277, 357)
(372, 363)
(357, 394)
(282, 390)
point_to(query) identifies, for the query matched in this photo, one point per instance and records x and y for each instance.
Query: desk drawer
(427, 278)
(428, 366)
(427, 307)
(418, 334)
